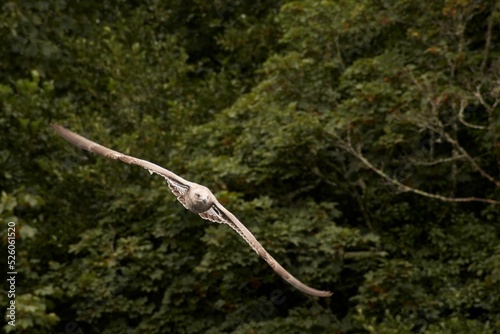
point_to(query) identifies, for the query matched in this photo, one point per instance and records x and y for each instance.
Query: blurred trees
(359, 141)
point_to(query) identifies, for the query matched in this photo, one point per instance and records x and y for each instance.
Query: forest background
(358, 140)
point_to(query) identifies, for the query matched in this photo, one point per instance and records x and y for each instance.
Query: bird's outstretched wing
(219, 214)
(177, 184)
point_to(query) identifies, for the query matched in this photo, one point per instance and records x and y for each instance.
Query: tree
(358, 141)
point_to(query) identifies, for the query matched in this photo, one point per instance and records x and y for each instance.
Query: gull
(194, 197)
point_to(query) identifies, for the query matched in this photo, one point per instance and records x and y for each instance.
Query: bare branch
(463, 152)
(436, 162)
(487, 44)
(440, 129)
(367, 163)
(418, 191)
(464, 122)
(479, 96)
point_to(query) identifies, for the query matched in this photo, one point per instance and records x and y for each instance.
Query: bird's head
(201, 196)
(200, 199)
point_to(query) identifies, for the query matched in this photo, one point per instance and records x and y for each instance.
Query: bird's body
(196, 198)
(199, 198)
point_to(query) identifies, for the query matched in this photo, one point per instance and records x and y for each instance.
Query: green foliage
(306, 118)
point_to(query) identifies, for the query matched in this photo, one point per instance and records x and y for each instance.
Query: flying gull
(196, 198)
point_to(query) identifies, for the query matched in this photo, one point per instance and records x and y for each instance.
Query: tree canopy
(358, 140)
